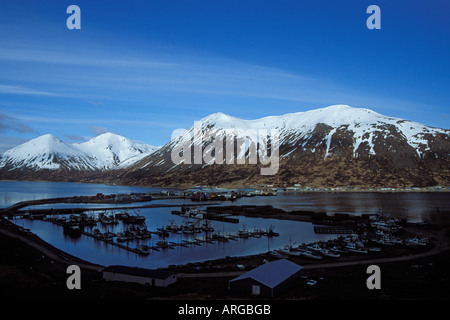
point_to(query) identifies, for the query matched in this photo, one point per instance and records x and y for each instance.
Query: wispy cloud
(12, 89)
(100, 75)
(8, 123)
(7, 142)
(96, 130)
(76, 138)
(132, 81)
(96, 103)
(69, 57)
(103, 75)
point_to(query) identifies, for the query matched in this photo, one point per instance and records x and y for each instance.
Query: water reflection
(414, 206)
(12, 192)
(100, 252)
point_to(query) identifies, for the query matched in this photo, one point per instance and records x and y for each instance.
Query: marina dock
(208, 215)
(195, 229)
(333, 230)
(163, 244)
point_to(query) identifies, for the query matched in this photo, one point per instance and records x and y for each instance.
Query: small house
(269, 279)
(158, 278)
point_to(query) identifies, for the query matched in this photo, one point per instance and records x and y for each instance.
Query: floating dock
(220, 217)
(333, 230)
(171, 245)
(161, 244)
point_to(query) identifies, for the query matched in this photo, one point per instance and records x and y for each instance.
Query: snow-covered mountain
(364, 124)
(114, 151)
(333, 146)
(328, 147)
(105, 152)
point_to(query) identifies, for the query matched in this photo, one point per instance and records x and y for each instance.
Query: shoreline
(9, 229)
(441, 244)
(49, 265)
(233, 187)
(208, 279)
(210, 273)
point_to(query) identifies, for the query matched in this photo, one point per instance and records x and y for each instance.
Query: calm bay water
(414, 206)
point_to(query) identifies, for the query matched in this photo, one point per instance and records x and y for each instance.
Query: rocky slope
(328, 147)
(336, 146)
(49, 158)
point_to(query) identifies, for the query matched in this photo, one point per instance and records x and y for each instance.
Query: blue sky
(145, 68)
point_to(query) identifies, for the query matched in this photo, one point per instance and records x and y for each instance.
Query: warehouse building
(149, 277)
(269, 279)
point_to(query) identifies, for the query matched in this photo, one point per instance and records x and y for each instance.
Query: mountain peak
(106, 138)
(48, 143)
(338, 107)
(106, 151)
(334, 115)
(218, 117)
(109, 135)
(47, 138)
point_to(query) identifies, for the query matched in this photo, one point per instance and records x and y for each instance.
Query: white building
(149, 277)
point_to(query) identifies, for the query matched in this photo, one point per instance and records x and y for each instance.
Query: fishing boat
(134, 219)
(314, 247)
(97, 233)
(277, 254)
(243, 233)
(143, 249)
(108, 236)
(130, 219)
(72, 230)
(291, 253)
(173, 227)
(310, 255)
(162, 232)
(323, 252)
(352, 247)
(271, 233)
(122, 237)
(206, 226)
(337, 250)
(162, 243)
(328, 253)
(416, 241)
(191, 213)
(187, 227)
(188, 231)
(219, 237)
(105, 219)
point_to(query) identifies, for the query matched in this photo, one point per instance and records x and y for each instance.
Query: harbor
(189, 227)
(194, 229)
(379, 239)
(172, 229)
(204, 242)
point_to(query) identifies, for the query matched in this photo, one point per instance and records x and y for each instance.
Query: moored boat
(355, 248)
(143, 249)
(310, 255)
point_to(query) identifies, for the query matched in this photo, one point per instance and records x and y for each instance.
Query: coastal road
(441, 245)
(49, 251)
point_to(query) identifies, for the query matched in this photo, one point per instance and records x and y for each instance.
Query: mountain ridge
(104, 152)
(333, 146)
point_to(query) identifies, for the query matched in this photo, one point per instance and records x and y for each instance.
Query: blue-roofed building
(269, 279)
